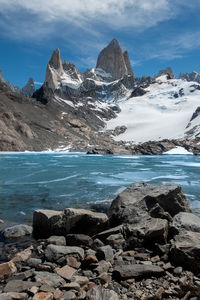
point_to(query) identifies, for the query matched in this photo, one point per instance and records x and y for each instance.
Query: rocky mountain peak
(168, 71)
(54, 70)
(55, 61)
(1, 76)
(128, 63)
(29, 88)
(112, 61)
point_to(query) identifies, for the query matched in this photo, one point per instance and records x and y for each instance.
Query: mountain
(106, 109)
(193, 76)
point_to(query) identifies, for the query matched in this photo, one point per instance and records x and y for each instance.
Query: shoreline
(134, 252)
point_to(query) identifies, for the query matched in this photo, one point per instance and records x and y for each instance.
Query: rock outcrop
(112, 60)
(168, 71)
(29, 88)
(193, 76)
(54, 70)
(128, 63)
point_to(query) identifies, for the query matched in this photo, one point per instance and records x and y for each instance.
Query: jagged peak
(1, 76)
(128, 63)
(55, 61)
(114, 43)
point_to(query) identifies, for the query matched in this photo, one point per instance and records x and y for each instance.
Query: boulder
(14, 296)
(84, 221)
(66, 272)
(105, 253)
(156, 231)
(186, 221)
(54, 252)
(7, 269)
(125, 272)
(99, 292)
(49, 278)
(47, 223)
(185, 250)
(78, 240)
(17, 231)
(136, 202)
(57, 240)
(19, 286)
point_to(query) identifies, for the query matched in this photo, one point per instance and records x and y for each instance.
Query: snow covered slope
(164, 112)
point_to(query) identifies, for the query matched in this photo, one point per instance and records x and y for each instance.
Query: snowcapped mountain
(106, 109)
(165, 111)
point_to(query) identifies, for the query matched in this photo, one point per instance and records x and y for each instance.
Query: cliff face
(112, 60)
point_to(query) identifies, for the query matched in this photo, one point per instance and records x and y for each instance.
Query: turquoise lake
(54, 181)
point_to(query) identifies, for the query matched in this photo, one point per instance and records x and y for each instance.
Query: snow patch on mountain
(162, 113)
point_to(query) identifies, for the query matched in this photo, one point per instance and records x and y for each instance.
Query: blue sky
(157, 33)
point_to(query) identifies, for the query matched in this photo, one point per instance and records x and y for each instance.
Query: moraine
(31, 181)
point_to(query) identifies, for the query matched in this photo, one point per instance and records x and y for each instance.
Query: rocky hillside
(107, 109)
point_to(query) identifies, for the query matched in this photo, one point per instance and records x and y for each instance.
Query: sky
(156, 33)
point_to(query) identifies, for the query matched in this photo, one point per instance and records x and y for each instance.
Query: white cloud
(39, 17)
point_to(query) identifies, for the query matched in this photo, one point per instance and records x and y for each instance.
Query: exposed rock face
(17, 231)
(141, 200)
(168, 71)
(111, 60)
(186, 221)
(128, 63)
(1, 76)
(193, 76)
(54, 70)
(29, 88)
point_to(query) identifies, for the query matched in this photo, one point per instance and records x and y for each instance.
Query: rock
(103, 267)
(43, 296)
(53, 252)
(105, 278)
(57, 240)
(23, 256)
(112, 231)
(157, 231)
(73, 262)
(47, 222)
(97, 293)
(84, 221)
(17, 231)
(178, 271)
(105, 253)
(14, 296)
(168, 71)
(125, 272)
(89, 260)
(23, 275)
(54, 70)
(128, 64)
(81, 280)
(135, 202)
(19, 286)
(69, 296)
(186, 221)
(49, 278)
(78, 240)
(185, 250)
(33, 262)
(66, 272)
(7, 269)
(71, 286)
(116, 241)
(29, 88)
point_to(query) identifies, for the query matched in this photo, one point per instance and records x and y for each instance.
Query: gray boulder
(138, 200)
(185, 250)
(125, 272)
(49, 278)
(14, 296)
(57, 240)
(99, 292)
(17, 231)
(105, 253)
(54, 252)
(186, 221)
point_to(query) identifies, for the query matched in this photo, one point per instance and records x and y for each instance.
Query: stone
(22, 256)
(19, 286)
(33, 262)
(134, 203)
(17, 231)
(105, 278)
(73, 262)
(43, 296)
(156, 231)
(81, 280)
(65, 272)
(23, 275)
(185, 250)
(57, 240)
(47, 223)
(84, 221)
(71, 286)
(97, 293)
(14, 296)
(128, 64)
(105, 253)
(103, 266)
(112, 61)
(47, 288)
(53, 252)
(116, 241)
(78, 240)
(7, 269)
(90, 259)
(186, 221)
(178, 271)
(49, 278)
(125, 272)
(69, 295)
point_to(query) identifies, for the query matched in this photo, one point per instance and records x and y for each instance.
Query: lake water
(54, 181)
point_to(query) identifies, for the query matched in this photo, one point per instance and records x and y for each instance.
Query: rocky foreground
(146, 247)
